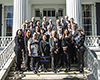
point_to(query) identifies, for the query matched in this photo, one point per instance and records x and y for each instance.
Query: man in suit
(72, 22)
(45, 20)
(66, 21)
(32, 28)
(24, 30)
(33, 20)
(63, 24)
(50, 23)
(57, 26)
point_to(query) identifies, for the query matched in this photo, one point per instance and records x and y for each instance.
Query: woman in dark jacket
(54, 49)
(80, 49)
(27, 58)
(33, 48)
(67, 48)
(19, 48)
(45, 53)
(39, 36)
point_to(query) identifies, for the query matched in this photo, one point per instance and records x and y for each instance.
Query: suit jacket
(26, 42)
(19, 43)
(52, 44)
(52, 26)
(67, 42)
(66, 23)
(55, 28)
(80, 41)
(63, 26)
(25, 32)
(74, 35)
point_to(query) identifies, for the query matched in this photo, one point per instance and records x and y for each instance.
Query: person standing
(19, 48)
(45, 53)
(54, 49)
(79, 45)
(33, 48)
(27, 58)
(67, 48)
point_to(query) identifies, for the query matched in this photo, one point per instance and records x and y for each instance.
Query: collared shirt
(60, 36)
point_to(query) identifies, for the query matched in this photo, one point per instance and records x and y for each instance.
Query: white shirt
(60, 36)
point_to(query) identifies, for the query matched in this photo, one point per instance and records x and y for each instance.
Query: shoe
(78, 70)
(34, 72)
(81, 71)
(37, 71)
(66, 70)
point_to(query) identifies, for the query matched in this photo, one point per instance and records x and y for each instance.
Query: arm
(17, 42)
(29, 47)
(41, 48)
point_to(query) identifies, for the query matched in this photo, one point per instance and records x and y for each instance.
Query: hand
(65, 48)
(22, 50)
(43, 54)
(55, 52)
(30, 53)
(76, 46)
(72, 42)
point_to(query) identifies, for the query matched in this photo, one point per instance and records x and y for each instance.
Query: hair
(73, 25)
(65, 34)
(17, 32)
(28, 35)
(42, 29)
(72, 18)
(70, 25)
(44, 35)
(51, 33)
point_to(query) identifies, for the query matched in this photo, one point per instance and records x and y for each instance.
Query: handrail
(92, 62)
(4, 40)
(6, 53)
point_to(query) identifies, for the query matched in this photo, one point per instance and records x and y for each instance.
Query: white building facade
(53, 9)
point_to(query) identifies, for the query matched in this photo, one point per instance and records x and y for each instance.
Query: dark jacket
(52, 45)
(26, 42)
(19, 43)
(80, 42)
(73, 36)
(67, 42)
(45, 48)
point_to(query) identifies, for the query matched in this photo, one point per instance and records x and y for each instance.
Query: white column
(20, 14)
(74, 10)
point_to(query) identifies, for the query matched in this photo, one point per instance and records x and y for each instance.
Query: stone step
(50, 77)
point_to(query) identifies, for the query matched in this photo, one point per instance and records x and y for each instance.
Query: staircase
(71, 75)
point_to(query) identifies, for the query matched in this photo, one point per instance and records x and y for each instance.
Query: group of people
(44, 44)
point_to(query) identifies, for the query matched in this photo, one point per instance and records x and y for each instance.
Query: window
(8, 19)
(49, 12)
(60, 12)
(37, 13)
(87, 18)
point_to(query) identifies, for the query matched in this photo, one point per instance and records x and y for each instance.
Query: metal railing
(6, 53)
(4, 40)
(92, 40)
(91, 61)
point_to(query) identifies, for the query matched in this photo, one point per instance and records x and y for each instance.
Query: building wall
(48, 3)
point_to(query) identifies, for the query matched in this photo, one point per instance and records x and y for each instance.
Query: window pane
(8, 11)
(49, 13)
(53, 13)
(44, 13)
(9, 25)
(60, 12)
(37, 13)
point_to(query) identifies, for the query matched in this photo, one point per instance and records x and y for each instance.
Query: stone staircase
(71, 75)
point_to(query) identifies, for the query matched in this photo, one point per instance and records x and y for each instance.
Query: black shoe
(81, 71)
(66, 70)
(37, 71)
(78, 70)
(34, 72)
